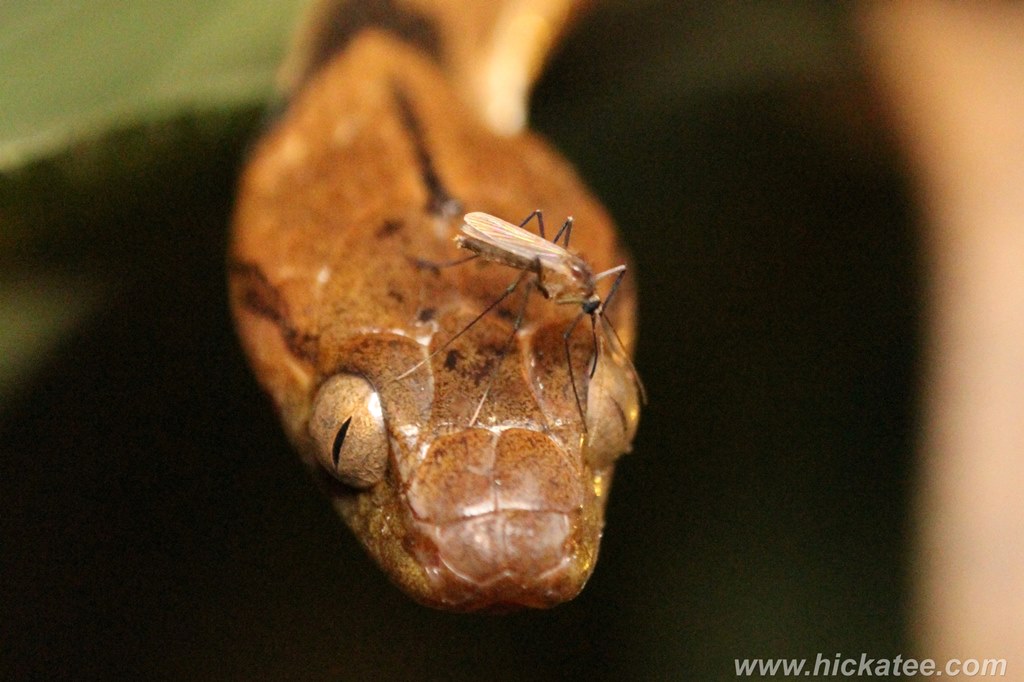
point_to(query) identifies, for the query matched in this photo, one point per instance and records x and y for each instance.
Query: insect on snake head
(347, 428)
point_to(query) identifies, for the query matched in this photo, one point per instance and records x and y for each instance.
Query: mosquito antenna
(508, 290)
(504, 351)
(572, 375)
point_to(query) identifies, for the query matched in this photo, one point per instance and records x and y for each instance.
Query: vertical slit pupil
(339, 440)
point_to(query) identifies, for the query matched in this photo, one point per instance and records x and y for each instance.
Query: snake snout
(499, 519)
(485, 549)
(509, 558)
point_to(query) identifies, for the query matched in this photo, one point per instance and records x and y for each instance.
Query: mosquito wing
(498, 240)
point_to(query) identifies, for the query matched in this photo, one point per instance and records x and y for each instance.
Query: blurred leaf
(77, 69)
(104, 103)
(34, 315)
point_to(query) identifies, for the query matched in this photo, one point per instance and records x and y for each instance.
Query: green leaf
(108, 109)
(77, 69)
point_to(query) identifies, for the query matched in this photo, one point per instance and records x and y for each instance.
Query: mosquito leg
(565, 229)
(572, 375)
(436, 267)
(540, 221)
(504, 351)
(593, 333)
(629, 362)
(508, 290)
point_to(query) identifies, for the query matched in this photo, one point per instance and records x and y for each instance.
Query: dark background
(155, 523)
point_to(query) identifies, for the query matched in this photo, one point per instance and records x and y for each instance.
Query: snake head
(474, 470)
(495, 515)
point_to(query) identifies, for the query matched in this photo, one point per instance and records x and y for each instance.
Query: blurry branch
(492, 51)
(954, 76)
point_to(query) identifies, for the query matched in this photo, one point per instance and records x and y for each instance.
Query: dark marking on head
(491, 348)
(506, 314)
(452, 359)
(389, 228)
(339, 440)
(301, 345)
(335, 24)
(256, 292)
(396, 296)
(257, 295)
(421, 264)
(483, 372)
(440, 201)
(426, 314)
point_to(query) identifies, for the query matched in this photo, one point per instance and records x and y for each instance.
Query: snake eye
(613, 410)
(347, 427)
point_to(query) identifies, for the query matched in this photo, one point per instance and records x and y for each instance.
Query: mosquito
(560, 275)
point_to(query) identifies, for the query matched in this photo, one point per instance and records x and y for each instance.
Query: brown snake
(363, 179)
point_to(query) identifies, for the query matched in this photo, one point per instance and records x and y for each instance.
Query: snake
(453, 443)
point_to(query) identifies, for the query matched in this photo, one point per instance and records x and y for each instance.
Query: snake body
(361, 181)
